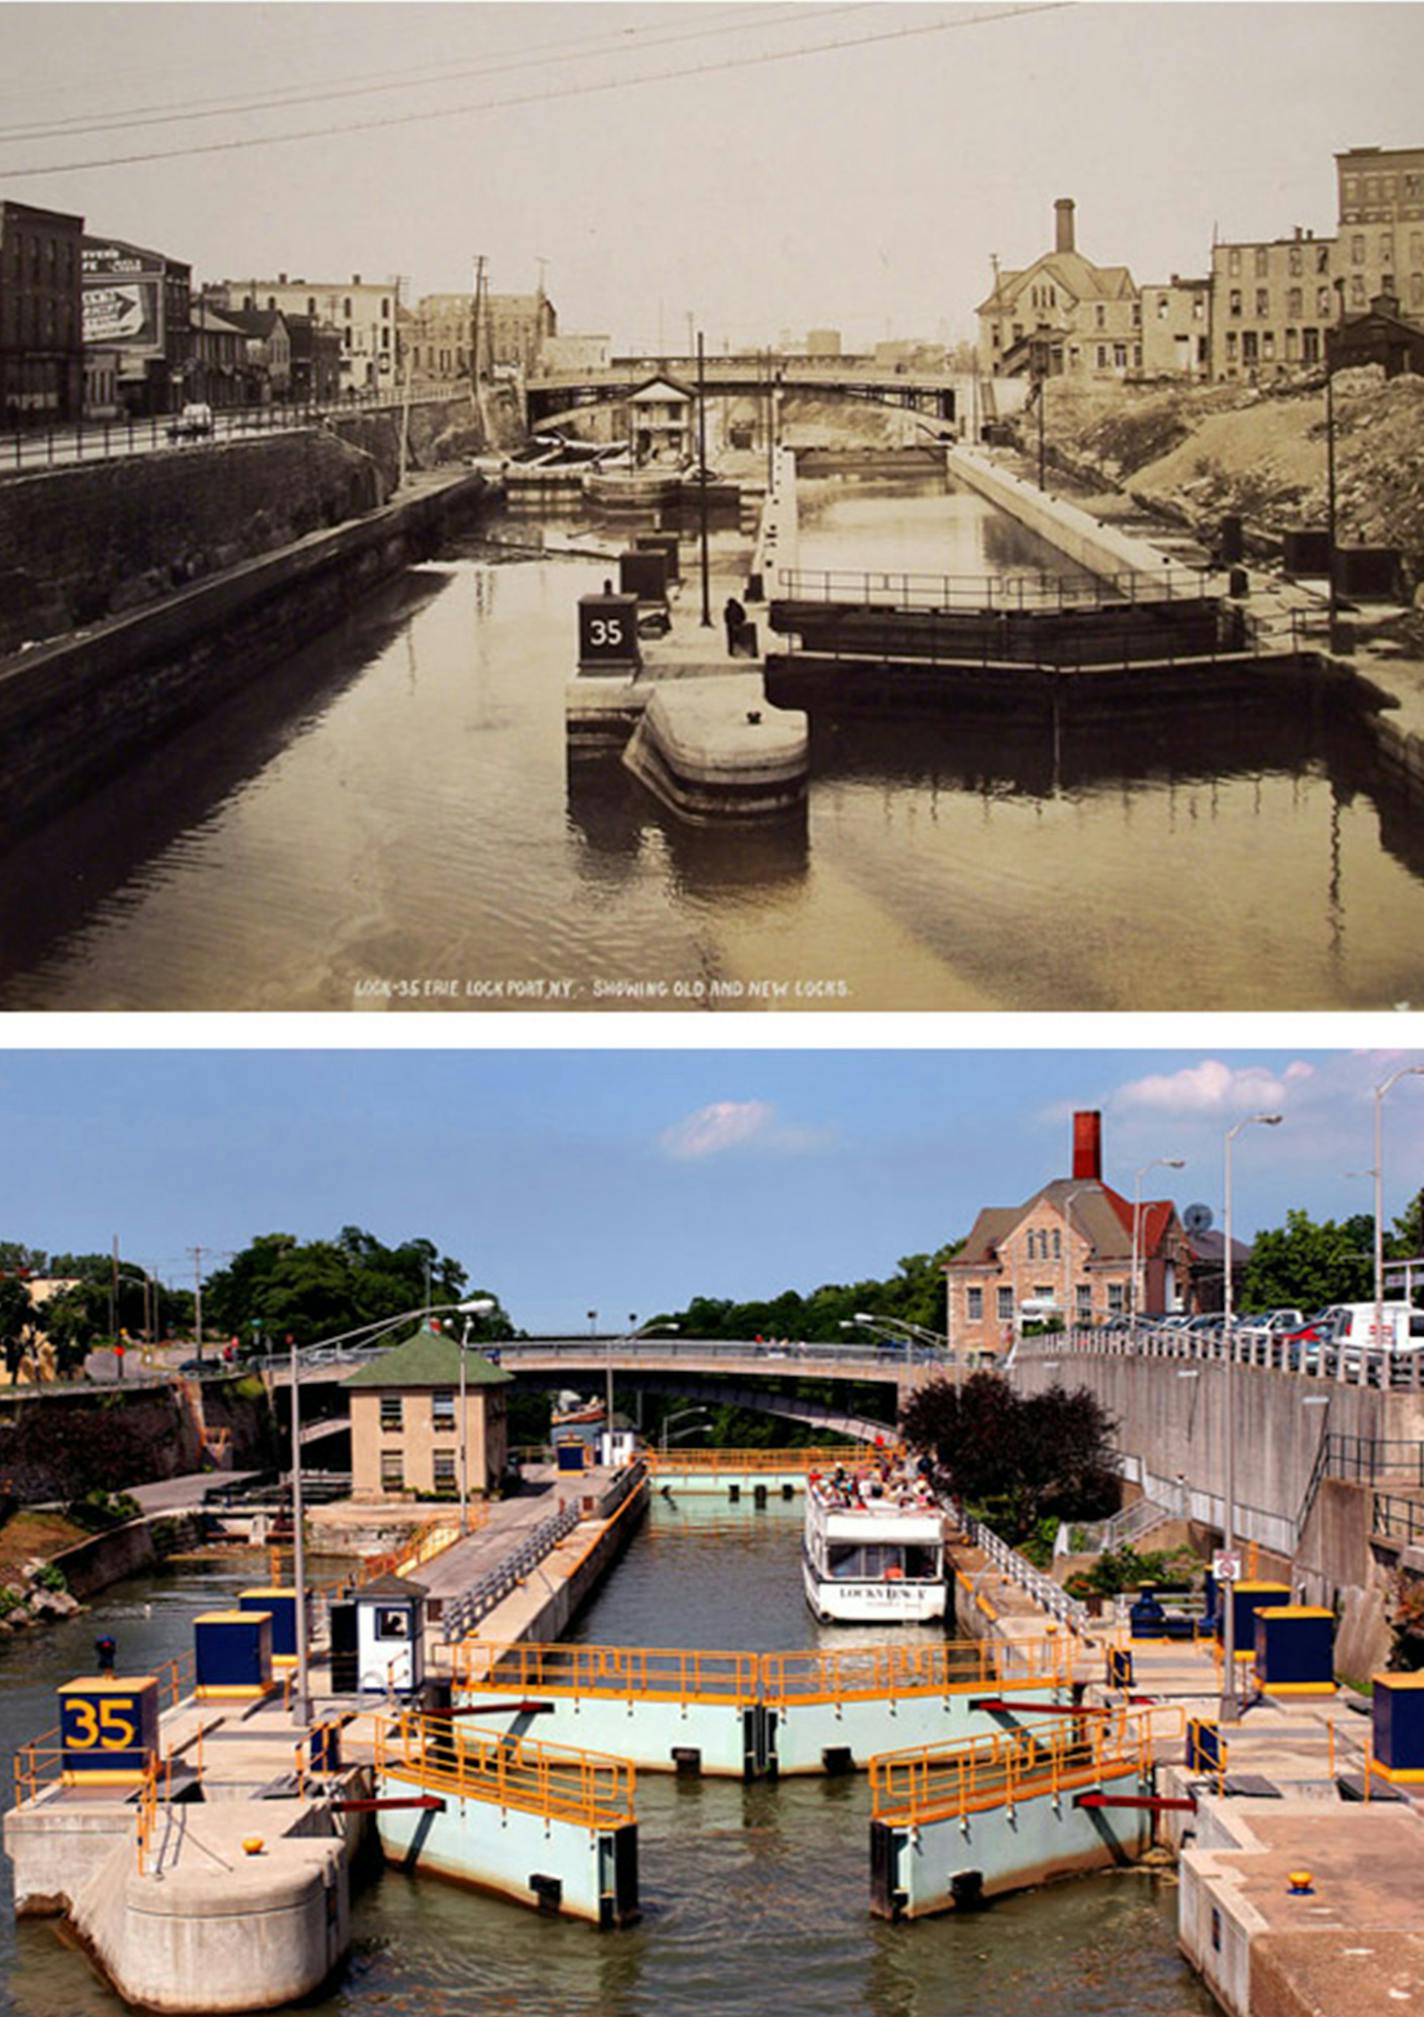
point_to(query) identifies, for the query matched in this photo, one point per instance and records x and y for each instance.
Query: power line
(401, 80)
(585, 90)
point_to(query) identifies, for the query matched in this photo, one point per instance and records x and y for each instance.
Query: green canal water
(754, 1897)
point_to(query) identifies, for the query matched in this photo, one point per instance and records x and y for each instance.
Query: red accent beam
(497, 1709)
(997, 1705)
(1156, 1803)
(427, 1802)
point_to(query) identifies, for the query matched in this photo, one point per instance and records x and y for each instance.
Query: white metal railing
(460, 1614)
(1051, 1596)
(1282, 1352)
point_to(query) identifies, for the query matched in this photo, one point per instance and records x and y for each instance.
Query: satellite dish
(1197, 1219)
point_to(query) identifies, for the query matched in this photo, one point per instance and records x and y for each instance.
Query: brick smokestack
(1088, 1147)
(1063, 219)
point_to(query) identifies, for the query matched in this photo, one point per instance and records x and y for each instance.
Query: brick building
(406, 1432)
(1381, 209)
(1272, 302)
(41, 326)
(138, 302)
(364, 313)
(1062, 315)
(1068, 1248)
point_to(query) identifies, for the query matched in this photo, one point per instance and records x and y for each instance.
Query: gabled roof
(429, 1359)
(662, 384)
(1099, 1213)
(255, 321)
(389, 1586)
(1075, 275)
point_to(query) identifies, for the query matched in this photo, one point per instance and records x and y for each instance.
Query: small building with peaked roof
(1063, 315)
(660, 421)
(406, 1431)
(1068, 1248)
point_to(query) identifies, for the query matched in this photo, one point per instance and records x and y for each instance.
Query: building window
(1102, 357)
(1263, 303)
(1231, 346)
(1119, 357)
(1310, 346)
(392, 1471)
(392, 1413)
(1006, 1305)
(1033, 1245)
(1268, 345)
(1163, 306)
(1263, 258)
(1357, 249)
(1322, 302)
(1116, 1298)
(1083, 1300)
(1248, 346)
(1413, 188)
(442, 1409)
(346, 307)
(1322, 258)
(1100, 317)
(1234, 302)
(974, 1305)
(1292, 345)
(444, 1470)
(1233, 261)
(1357, 290)
(1416, 290)
(1293, 302)
(385, 308)
(1386, 252)
(1295, 259)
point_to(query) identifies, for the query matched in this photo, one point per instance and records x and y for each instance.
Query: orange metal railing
(675, 1674)
(590, 1788)
(936, 1781)
(864, 1672)
(652, 1673)
(712, 1463)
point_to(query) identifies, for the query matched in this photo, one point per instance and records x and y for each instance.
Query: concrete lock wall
(496, 1848)
(87, 542)
(1172, 1425)
(54, 1852)
(647, 1733)
(1072, 530)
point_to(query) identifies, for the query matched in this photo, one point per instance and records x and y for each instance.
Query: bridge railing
(647, 1673)
(1322, 1358)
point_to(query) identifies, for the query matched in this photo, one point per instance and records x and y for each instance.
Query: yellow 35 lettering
(105, 1726)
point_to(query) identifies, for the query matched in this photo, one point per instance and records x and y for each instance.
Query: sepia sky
(862, 187)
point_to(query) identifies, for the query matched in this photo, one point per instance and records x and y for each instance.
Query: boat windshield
(881, 1562)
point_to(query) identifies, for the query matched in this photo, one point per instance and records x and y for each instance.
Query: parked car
(194, 421)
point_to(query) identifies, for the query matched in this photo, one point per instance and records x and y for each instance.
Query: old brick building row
(1262, 311)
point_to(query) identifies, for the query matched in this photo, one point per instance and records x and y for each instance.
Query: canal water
(755, 1897)
(390, 820)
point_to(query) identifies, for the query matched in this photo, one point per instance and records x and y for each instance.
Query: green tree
(1018, 1460)
(914, 1293)
(318, 1288)
(1406, 1242)
(1306, 1264)
(16, 1257)
(73, 1319)
(16, 1320)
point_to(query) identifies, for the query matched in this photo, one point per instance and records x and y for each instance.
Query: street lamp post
(480, 1307)
(914, 1333)
(682, 1415)
(1158, 1162)
(1404, 1072)
(630, 1336)
(1068, 1260)
(1230, 1706)
(301, 1693)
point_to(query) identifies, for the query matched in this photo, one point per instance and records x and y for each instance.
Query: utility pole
(197, 1254)
(301, 1699)
(702, 479)
(114, 1290)
(476, 336)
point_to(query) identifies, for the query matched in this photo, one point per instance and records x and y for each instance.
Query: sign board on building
(1226, 1568)
(122, 294)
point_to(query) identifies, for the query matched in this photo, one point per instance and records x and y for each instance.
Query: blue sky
(630, 1180)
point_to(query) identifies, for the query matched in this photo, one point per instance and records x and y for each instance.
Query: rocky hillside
(1199, 453)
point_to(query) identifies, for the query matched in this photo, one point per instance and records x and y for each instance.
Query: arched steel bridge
(551, 395)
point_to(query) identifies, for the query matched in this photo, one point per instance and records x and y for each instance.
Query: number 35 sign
(108, 1728)
(608, 631)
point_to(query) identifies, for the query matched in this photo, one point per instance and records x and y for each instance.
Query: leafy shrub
(50, 1578)
(99, 1510)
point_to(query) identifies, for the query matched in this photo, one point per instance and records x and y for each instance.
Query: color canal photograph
(888, 1533)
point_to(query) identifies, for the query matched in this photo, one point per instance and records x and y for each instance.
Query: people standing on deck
(734, 616)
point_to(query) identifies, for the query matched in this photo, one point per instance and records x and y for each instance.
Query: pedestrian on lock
(734, 616)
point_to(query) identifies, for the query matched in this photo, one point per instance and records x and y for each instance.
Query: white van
(1401, 1327)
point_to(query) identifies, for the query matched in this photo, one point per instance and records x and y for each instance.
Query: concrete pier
(714, 750)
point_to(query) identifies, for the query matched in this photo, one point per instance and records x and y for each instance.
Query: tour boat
(872, 1560)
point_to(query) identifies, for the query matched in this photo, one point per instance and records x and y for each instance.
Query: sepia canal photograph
(689, 508)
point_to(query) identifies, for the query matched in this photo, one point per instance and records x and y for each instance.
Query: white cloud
(1211, 1087)
(735, 1124)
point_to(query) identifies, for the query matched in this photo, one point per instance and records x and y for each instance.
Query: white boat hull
(872, 1603)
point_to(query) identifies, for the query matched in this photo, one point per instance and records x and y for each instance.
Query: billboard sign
(123, 300)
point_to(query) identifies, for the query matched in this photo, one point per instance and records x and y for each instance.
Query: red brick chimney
(1063, 216)
(1088, 1146)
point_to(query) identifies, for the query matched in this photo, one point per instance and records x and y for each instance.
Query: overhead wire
(371, 83)
(586, 89)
